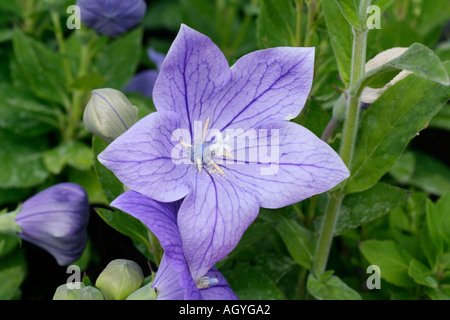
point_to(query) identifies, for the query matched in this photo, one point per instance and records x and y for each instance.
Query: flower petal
(168, 285)
(160, 218)
(144, 158)
(283, 163)
(193, 71)
(270, 84)
(221, 290)
(143, 83)
(212, 219)
(55, 219)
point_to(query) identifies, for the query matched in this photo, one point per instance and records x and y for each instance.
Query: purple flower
(173, 280)
(144, 81)
(221, 140)
(55, 219)
(111, 17)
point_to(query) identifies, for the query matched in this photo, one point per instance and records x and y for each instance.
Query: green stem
(8, 223)
(61, 44)
(326, 234)
(298, 36)
(347, 145)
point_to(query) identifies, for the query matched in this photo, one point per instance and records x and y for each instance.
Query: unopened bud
(119, 279)
(68, 291)
(109, 113)
(144, 293)
(90, 293)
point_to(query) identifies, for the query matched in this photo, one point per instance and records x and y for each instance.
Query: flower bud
(109, 113)
(144, 293)
(369, 95)
(56, 220)
(119, 279)
(90, 293)
(68, 291)
(111, 17)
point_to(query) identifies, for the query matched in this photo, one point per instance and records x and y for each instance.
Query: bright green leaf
(350, 12)
(276, 24)
(21, 161)
(341, 38)
(330, 288)
(405, 108)
(368, 205)
(43, 68)
(392, 260)
(73, 153)
(117, 62)
(422, 275)
(13, 270)
(299, 241)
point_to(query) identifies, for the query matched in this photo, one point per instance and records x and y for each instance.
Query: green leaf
(43, 68)
(299, 241)
(418, 59)
(111, 186)
(341, 38)
(422, 275)
(73, 153)
(442, 119)
(368, 205)
(125, 224)
(330, 288)
(88, 82)
(21, 161)
(405, 108)
(7, 244)
(117, 62)
(382, 4)
(350, 12)
(392, 260)
(23, 114)
(430, 174)
(276, 23)
(249, 283)
(13, 270)
(438, 220)
(403, 169)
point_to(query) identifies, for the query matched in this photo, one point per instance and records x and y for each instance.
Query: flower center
(208, 150)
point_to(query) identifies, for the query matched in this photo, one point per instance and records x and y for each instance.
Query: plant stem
(347, 145)
(326, 233)
(298, 35)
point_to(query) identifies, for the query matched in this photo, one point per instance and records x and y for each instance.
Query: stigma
(208, 149)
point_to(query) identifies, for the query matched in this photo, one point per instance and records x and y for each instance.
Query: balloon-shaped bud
(119, 279)
(109, 113)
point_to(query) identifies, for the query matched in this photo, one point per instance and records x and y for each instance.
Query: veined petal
(212, 219)
(160, 218)
(149, 160)
(221, 290)
(193, 71)
(270, 84)
(283, 163)
(168, 285)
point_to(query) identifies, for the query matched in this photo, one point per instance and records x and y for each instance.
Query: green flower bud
(144, 293)
(68, 291)
(90, 293)
(119, 279)
(109, 113)
(340, 108)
